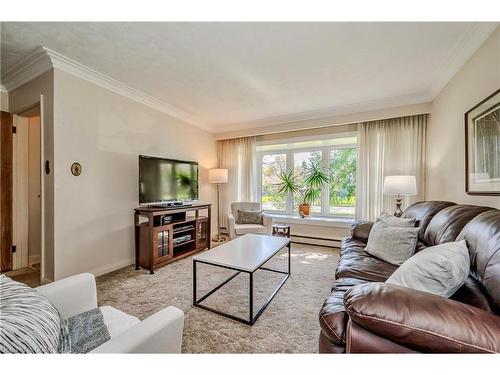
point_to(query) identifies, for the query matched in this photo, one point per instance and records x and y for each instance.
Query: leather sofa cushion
(422, 321)
(483, 240)
(423, 212)
(332, 316)
(359, 340)
(356, 263)
(360, 230)
(446, 225)
(471, 294)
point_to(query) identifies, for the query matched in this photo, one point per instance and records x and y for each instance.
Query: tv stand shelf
(155, 230)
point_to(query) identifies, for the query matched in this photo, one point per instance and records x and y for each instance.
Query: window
(300, 162)
(342, 183)
(335, 155)
(272, 166)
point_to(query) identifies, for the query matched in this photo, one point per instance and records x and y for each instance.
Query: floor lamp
(218, 176)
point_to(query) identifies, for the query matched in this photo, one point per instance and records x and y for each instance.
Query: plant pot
(304, 209)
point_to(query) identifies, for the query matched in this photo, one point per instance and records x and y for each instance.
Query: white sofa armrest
(231, 221)
(160, 333)
(72, 295)
(267, 221)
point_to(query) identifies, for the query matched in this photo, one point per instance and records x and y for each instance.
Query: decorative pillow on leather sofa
(392, 244)
(249, 217)
(393, 221)
(440, 269)
(29, 321)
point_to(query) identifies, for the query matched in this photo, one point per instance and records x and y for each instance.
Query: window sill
(312, 220)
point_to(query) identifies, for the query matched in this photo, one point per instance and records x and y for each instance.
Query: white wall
(4, 101)
(105, 133)
(445, 172)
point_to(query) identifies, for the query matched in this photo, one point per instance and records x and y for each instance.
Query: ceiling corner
(472, 39)
(30, 67)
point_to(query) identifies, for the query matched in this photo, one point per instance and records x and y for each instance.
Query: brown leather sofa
(365, 315)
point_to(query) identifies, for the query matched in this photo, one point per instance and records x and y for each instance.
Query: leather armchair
(419, 321)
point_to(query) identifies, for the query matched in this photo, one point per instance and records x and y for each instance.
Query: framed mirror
(482, 147)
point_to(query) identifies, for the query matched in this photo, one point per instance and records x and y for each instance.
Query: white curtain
(238, 157)
(388, 147)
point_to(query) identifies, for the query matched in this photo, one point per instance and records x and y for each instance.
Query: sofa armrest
(422, 321)
(360, 230)
(267, 221)
(231, 221)
(72, 295)
(159, 333)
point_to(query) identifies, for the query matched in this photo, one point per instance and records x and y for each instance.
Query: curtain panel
(388, 147)
(238, 157)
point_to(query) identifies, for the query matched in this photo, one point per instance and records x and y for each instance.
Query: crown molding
(335, 120)
(322, 117)
(471, 40)
(30, 67)
(44, 59)
(2, 88)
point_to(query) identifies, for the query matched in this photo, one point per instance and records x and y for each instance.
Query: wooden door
(6, 130)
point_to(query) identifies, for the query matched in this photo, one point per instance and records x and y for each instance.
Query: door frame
(42, 192)
(6, 177)
(40, 106)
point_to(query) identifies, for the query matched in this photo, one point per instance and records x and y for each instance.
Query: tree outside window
(342, 189)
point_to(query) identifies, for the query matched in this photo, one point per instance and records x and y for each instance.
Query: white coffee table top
(246, 253)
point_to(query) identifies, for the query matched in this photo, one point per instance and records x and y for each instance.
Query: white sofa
(236, 229)
(159, 333)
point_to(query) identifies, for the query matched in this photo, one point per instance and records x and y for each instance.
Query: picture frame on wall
(482, 147)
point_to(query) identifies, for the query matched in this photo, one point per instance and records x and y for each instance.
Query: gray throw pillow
(392, 244)
(249, 217)
(393, 221)
(440, 269)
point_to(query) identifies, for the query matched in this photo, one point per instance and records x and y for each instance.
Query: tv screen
(167, 180)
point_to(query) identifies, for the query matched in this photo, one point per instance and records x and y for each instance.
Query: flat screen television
(163, 180)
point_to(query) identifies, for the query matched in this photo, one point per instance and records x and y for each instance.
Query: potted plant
(309, 189)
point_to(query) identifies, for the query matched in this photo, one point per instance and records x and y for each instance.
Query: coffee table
(245, 254)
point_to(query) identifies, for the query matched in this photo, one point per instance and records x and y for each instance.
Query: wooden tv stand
(166, 234)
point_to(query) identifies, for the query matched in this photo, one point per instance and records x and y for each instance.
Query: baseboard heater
(303, 240)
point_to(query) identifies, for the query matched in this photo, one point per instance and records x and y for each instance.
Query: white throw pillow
(29, 322)
(440, 269)
(392, 244)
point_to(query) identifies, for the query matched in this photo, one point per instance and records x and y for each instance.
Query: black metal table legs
(251, 318)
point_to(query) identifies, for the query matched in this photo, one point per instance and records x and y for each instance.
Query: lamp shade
(217, 176)
(400, 185)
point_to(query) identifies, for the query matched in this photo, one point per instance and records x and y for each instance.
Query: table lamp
(218, 176)
(400, 186)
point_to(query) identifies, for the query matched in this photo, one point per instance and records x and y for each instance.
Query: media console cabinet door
(162, 243)
(202, 233)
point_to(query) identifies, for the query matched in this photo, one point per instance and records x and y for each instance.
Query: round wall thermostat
(76, 169)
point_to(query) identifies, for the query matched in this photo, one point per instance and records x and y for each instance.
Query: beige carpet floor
(288, 325)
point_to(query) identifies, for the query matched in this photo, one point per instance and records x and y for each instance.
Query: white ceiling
(233, 76)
